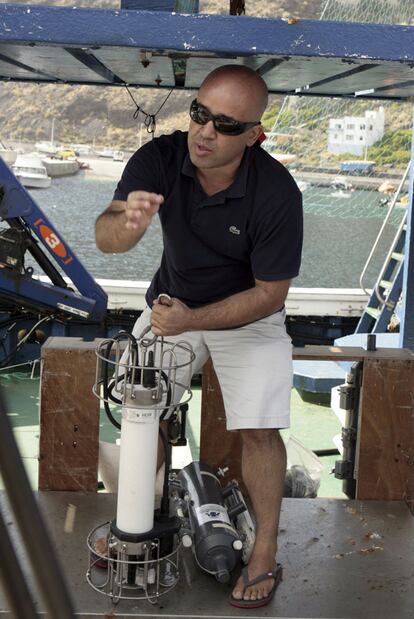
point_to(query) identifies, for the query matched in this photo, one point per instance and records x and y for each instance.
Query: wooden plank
(69, 416)
(218, 447)
(348, 353)
(385, 451)
(386, 443)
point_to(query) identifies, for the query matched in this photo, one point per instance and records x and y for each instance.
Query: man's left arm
(265, 298)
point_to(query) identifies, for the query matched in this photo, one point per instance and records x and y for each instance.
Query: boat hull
(35, 182)
(56, 168)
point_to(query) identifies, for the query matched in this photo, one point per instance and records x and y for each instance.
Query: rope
(150, 119)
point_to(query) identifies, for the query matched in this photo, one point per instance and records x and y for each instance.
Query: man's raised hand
(140, 208)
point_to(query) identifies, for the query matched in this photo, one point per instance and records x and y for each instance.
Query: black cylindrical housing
(214, 533)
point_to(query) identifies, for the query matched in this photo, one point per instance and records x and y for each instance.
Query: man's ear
(253, 134)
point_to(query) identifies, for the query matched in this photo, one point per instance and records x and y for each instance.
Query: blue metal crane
(30, 230)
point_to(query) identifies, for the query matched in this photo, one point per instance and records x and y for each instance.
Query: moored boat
(7, 154)
(60, 167)
(31, 172)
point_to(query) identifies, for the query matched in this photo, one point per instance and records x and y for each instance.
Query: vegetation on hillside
(394, 148)
(302, 130)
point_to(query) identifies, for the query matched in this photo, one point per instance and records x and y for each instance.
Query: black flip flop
(276, 575)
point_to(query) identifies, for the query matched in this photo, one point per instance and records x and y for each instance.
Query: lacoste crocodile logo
(234, 230)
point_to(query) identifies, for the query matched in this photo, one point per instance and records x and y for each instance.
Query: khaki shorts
(253, 366)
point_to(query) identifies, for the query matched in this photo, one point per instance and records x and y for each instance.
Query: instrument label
(211, 512)
(139, 416)
(72, 310)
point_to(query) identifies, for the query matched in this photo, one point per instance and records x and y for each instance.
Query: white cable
(39, 322)
(18, 365)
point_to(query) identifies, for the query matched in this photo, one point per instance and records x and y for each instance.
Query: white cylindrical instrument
(137, 470)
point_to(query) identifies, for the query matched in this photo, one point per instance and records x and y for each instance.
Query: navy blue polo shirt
(216, 246)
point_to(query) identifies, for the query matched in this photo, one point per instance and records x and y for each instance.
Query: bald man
(232, 226)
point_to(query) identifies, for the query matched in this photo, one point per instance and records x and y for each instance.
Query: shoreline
(102, 168)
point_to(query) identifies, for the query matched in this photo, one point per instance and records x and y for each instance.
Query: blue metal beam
(341, 76)
(407, 315)
(89, 60)
(396, 86)
(26, 67)
(27, 291)
(269, 65)
(213, 34)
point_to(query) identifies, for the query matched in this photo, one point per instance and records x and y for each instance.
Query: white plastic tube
(137, 470)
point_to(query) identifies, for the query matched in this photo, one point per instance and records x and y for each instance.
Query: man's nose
(208, 130)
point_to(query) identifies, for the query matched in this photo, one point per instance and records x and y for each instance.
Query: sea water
(340, 229)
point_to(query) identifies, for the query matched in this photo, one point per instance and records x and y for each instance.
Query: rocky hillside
(105, 115)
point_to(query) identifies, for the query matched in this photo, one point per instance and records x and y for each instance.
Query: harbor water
(340, 228)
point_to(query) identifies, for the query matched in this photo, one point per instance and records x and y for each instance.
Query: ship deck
(342, 560)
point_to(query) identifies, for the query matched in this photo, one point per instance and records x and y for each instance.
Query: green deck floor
(313, 425)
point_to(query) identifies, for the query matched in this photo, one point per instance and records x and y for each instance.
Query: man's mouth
(202, 148)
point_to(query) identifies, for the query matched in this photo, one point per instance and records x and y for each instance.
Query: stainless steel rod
(39, 548)
(12, 577)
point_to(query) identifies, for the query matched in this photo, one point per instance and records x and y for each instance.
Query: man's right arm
(123, 223)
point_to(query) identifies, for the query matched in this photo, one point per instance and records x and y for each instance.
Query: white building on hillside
(354, 134)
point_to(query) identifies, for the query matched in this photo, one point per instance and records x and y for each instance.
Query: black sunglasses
(223, 124)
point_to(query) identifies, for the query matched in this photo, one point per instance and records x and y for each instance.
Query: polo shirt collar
(237, 189)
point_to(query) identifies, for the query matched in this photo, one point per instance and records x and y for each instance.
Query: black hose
(110, 416)
(106, 394)
(165, 505)
(168, 399)
(109, 388)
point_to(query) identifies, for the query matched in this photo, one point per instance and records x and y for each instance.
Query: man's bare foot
(260, 590)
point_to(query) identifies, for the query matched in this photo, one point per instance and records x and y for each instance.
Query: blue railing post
(407, 314)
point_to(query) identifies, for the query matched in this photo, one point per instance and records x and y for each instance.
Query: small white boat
(340, 193)
(81, 149)
(118, 155)
(31, 172)
(46, 148)
(401, 203)
(303, 185)
(7, 154)
(106, 152)
(342, 183)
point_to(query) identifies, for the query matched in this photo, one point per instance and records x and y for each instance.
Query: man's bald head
(244, 83)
